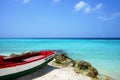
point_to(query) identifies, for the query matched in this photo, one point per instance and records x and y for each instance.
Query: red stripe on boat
(23, 59)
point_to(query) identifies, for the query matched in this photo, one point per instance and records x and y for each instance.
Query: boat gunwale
(25, 62)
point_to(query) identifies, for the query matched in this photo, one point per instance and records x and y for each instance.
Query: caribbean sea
(103, 54)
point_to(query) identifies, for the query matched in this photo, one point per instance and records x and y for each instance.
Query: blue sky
(59, 18)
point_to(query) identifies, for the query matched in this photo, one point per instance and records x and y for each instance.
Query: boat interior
(23, 58)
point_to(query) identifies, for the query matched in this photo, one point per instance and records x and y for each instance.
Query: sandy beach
(50, 72)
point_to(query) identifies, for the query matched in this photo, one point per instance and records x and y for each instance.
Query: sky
(59, 19)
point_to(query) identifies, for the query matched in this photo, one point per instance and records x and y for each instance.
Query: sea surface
(103, 54)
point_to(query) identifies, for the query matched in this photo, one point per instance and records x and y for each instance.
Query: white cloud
(88, 9)
(85, 7)
(26, 1)
(56, 1)
(109, 17)
(79, 6)
(98, 6)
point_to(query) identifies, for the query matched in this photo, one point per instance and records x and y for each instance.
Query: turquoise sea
(102, 54)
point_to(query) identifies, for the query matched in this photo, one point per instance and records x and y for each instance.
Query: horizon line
(63, 38)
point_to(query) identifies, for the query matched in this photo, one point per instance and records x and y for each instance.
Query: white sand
(54, 73)
(62, 74)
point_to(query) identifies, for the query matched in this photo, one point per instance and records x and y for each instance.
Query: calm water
(103, 54)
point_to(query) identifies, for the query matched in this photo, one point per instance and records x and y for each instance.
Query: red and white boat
(14, 67)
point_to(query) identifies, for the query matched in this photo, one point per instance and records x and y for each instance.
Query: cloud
(56, 1)
(109, 17)
(88, 9)
(98, 6)
(26, 1)
(85, 7)
(81, 5)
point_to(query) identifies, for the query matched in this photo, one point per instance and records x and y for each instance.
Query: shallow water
(103, 54)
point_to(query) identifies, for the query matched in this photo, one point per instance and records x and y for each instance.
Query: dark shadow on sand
(46, 69)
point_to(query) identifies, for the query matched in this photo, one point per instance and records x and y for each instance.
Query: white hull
(20, 68)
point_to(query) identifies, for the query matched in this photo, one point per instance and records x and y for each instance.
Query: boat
(17, 66)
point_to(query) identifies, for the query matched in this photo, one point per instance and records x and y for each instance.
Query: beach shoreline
(50, 72)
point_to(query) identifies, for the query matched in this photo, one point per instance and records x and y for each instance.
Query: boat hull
(27, 71)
